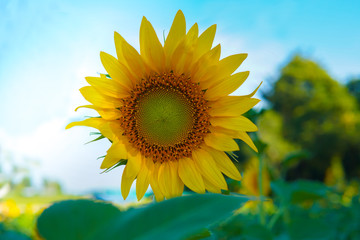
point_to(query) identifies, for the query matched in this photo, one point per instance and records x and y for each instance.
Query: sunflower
(167, 111)
(250, 182)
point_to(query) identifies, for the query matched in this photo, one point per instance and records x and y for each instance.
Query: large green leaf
(176, 218)
(75, 219)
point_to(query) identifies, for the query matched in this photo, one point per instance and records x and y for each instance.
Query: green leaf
(13, 235)
(256, 232)
(177, 218)
(303, 190)
(8, 234)
(294, 158)
(311, 229)
(242, 226)
(281, 189)
(299, 191)
(75, 219)
(203, 234)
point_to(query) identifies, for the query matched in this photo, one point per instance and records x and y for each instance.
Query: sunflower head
(167, 110)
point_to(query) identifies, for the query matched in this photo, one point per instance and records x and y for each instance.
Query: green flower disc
(164, 116)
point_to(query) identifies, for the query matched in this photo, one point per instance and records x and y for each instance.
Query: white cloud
(63, 156)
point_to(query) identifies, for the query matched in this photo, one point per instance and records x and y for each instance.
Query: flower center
(166, 117)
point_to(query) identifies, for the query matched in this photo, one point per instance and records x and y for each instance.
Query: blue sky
(48, 47)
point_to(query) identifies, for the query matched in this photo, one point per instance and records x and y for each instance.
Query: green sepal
(95, 133)
(96, 139)
(120, 163)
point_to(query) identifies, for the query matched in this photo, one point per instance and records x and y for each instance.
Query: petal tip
(180, 14)
(102, 55)
(144, 19)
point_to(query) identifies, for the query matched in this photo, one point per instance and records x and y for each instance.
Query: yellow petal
(133, 165)
(164, 179)
(211, 187)
(190, 175)
(193, 32)
(232, 106)
(223, 70)
(253, 93)
(176, 34)
(154, 182)
(208, 168)
(115, 153)
(150, 47)
(115, 127)
(131, 170)
(126, 182)
(188, 55)
(239, 123)
(229, 64)
(101, 124)
(229, 132)
(116, 70)
(118, 39)
(108, 87)
(245, 137)
(106, 131)
(225, 164)
(105, 113)
(89, 122)
(177, 184)
(183, 54)
(226, 86)
(221, 142)
(119, 45)
(95, 97)
(207, 62)
(134, 60)
(235, 134)
(169, 180)
(143, 178)
(205, 42)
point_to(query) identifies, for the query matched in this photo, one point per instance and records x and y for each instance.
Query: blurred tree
(318, 114)
(354, 88)
(51, 187)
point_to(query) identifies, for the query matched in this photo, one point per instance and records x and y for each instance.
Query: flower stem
(261, 191)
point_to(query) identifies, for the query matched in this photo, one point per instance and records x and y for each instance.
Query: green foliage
(299, 191)
(303, 210)
(243, 227)
(6, 234)
(171, 219)
(354, 89)
(313, 112)
(300, 210)
(75, 219)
